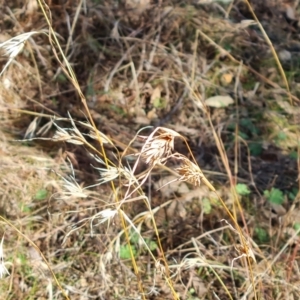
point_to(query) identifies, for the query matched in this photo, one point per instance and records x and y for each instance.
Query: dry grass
(125, 181)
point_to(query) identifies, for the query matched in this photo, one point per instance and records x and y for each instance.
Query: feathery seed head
(12, 47)
(158, 146)
(188, 171)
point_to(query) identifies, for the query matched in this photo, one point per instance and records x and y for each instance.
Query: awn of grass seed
(14, 46)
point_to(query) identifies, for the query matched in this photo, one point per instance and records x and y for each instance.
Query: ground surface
(86, 220)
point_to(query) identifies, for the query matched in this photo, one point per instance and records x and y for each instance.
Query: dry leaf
(139, 6)
(226, 78)
(181, 211)
(292, 217)
(274, 211)
(278, 209)
(285, 55)
(160, 219)
(182, 188)
(32, 7)
(166, 10)
(168, 189)
(199, 286)
(290, 12)
(152, 114)
(176, 209)
(142, 120)
(141, 117)
(184, 129)
(246, 23)
(115, 32)
(219, 101)
(156, 94)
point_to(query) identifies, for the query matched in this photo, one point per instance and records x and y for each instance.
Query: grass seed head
(158, 146)
(12, 47)
(189, 171)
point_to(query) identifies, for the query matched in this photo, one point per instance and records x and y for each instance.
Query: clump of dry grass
(157, 149)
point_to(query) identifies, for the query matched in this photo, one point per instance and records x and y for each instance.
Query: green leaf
(294, 155)
(282, 136)
(255, 149)
(243, 135)
(159, 103)
(152, 245)
(26, 209)
(134, 239)
(61, 78)
(297, 227)
(41, 194)
(54, 101)
(231, 126)
(274, 196)
(206, 206)
(293, 194)
(242, 189)
(117, 110)
(22, 258)
(125, 251)
(261, 234)
(249, 126)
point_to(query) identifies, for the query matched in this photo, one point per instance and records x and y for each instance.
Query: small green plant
(293, 194)
(136, 250)
(191, 294)
(206, 206)
(61, 78)
(159, 103)
(125, 251)
(274, 196)
(293, 155)
(41, 194)
(26, 209)
(255, 148)
(261, 234)
(297, 227)
(242, 189)
(281, 136)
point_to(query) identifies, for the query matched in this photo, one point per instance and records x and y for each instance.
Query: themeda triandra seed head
(188, 171)
(159, 146)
